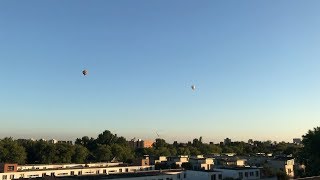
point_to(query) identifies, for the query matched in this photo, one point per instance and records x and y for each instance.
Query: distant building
(140, 143)
(53, 141)
(296, 140)
(66, 142)
(227, 141)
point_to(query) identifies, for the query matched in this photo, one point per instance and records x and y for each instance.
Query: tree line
(108, 147)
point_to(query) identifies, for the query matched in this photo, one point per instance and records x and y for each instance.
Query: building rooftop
(76, 167)
(236, 168)
(111, 176)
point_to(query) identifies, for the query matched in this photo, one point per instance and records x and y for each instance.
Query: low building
(284, 164)
(7, 168)
(145, 161)
(201, 163)
(230, 161)
(240, 172)
(177, 160)
(68, 170)
(202, 175)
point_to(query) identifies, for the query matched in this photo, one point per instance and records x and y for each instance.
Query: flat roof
(112, 176)
(236, 168)
(80, 167)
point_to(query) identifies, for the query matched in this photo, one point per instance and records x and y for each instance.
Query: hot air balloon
(84, 72)
(193, 87)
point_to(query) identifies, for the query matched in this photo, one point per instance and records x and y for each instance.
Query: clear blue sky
(255, 64)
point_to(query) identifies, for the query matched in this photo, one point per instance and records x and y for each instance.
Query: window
(213, 177)
(72, 173)
(289, 171)
(44, 174)
(4, 177)
(22, 175)
(52, 174)
(184, 175)
(178, 176)
(251, 173)
(257, 173)
(127, 170)
(220, 176)
(97, 172)
(79, 172)
(104, 171)
(10, 168)
(241, 175)
(246, 174)
(120, 170)
(11, 176)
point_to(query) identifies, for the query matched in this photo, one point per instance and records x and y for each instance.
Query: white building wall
(201, 175)
(235, 173)
(68, 172)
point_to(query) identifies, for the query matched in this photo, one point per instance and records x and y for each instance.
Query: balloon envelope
(84, 72)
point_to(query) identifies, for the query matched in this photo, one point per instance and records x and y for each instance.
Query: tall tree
(310, 154)
(12, 152)
(80, 154)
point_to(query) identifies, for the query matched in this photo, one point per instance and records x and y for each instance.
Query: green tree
(12, 152)
(64, 153)
(80, 154)
(103, 153)
(45, 153)
(310, 154)
(121, 153)
(183, 151)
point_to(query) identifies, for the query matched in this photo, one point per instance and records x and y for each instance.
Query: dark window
(97, 172)
(213, 177)
(246, 174)
(241, 175)
(72, 173)
(104, 171)
(257, 173)
(4, 177)
(120, 170)
(79, 172)
(220, 176)
(184, 175)
(10, 168)
(52, 174)
(127, 170)
(44, 174)
(178, 176)
(251, 173)
(11, 176)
